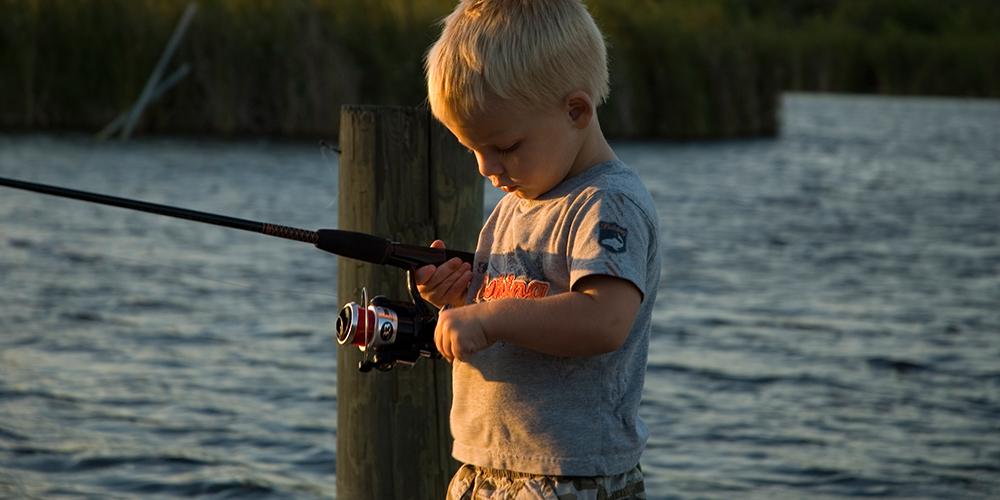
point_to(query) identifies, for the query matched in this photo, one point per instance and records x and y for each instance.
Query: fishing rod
(354, 245)
(389, 332)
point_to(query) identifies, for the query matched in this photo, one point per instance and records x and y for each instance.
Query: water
(827, 324)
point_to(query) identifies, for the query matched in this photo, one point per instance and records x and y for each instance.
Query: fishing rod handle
(378, 250)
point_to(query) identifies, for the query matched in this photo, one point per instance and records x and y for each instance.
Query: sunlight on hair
(499, 48)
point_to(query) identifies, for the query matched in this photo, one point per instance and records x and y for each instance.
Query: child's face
(523, 152)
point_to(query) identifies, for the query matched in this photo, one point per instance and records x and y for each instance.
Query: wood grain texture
(403, 177)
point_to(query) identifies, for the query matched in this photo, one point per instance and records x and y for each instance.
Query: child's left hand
(445, 284)
(459, 333)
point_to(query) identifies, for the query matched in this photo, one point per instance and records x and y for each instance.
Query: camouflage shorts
(479, 483)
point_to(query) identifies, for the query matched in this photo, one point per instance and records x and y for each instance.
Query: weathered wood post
(404, 177)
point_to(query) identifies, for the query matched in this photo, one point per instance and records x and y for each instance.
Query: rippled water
(828, 325)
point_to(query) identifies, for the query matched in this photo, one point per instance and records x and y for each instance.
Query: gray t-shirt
(519, 409)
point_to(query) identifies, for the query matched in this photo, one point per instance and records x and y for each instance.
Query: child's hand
(459, 333)
(445, 284)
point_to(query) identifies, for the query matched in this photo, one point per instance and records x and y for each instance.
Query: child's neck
(594, 150)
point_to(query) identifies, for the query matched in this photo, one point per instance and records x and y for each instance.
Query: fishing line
(326, 145)
(323, 147)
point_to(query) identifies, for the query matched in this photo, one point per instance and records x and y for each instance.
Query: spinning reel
(389, 332)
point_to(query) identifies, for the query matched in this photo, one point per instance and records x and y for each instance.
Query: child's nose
(489, 167)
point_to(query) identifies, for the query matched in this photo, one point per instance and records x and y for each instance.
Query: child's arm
(592, 319)
(445, 284)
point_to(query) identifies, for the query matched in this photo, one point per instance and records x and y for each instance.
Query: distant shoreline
(683, 69)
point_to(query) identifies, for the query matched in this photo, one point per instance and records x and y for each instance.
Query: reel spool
(388, 332)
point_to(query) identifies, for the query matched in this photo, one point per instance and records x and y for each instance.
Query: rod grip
(378, 250)
(360, 246)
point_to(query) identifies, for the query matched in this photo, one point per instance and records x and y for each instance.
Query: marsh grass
(680, 68)
(268, 67)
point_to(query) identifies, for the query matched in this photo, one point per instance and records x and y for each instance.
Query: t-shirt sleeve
(610, 236)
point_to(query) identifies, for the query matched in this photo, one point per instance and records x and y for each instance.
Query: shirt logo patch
(612, 237)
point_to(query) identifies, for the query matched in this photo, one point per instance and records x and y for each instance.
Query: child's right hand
(445, 284)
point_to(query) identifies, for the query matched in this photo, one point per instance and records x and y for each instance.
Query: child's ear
(580, 108)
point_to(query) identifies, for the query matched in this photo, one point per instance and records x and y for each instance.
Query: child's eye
(508, 150)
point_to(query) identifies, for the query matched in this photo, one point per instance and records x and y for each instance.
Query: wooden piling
(404, 177)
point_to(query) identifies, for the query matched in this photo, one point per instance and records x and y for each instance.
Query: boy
(549, 330)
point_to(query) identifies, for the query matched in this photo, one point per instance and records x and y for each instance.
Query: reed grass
(682, 71)
(680, 68)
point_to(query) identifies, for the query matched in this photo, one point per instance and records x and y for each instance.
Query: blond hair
(528, 53)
